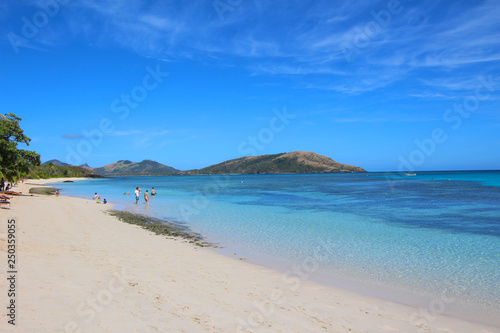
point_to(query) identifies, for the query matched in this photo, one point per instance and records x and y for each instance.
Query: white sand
(80, 270)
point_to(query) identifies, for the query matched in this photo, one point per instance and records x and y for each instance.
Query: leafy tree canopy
(14, 162)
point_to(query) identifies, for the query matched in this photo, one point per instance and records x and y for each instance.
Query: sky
(385, 85)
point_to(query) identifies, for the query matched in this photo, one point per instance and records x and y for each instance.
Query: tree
(51, 168)
(14, 162)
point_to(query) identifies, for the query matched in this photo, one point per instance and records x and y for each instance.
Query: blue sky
(385, 85)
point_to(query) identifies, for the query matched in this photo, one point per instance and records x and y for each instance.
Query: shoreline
(71, 251)
(446, 304)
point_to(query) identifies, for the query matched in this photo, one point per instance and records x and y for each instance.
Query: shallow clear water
(428, 239)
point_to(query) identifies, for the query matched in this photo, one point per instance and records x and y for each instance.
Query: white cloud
(432, 95)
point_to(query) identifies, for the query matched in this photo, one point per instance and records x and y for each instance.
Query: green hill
(127, 168)
(294, 162)
(52, 170)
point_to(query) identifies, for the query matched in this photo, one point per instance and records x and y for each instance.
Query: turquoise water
(428, 239)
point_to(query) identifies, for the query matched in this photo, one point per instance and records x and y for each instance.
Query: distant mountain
(56, 162)
(86, 166)
(127, 168)
(294, 162)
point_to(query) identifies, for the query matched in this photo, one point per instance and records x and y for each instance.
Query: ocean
(429, 239)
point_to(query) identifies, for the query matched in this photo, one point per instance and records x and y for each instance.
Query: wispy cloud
(294, 38)
(461, 83)
(280, 69)
(432, 95)
(454, 37)
(72, 136)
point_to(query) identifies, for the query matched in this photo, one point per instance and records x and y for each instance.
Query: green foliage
(57, 171)
(14, 162)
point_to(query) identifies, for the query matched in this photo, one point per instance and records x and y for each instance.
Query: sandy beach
(81, 270)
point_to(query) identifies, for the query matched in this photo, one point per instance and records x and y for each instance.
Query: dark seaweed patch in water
(161, 227)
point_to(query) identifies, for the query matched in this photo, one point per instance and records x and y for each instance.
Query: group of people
(7, 187)
(3, 187)
(97, 199)
(138, 192)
